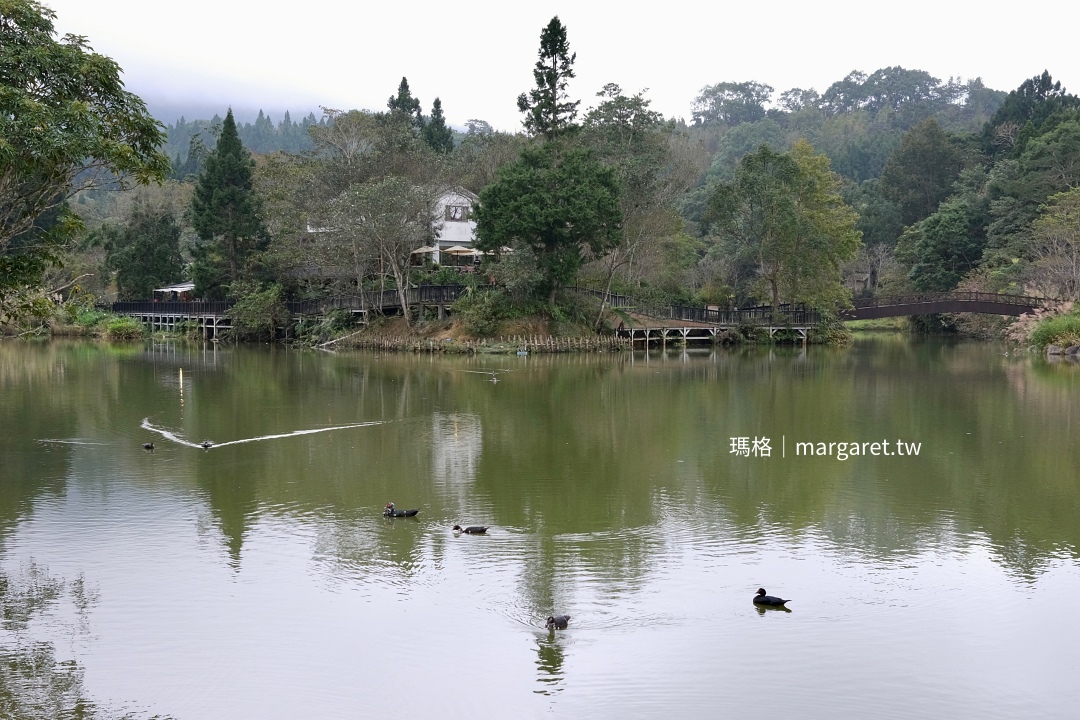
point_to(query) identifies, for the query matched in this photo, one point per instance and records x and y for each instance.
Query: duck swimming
(148, 446)
(391, 511)
(206, 444)
(762, 599)
(471, 530)
(558, 621)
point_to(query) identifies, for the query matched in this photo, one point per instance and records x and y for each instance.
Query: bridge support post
(442, 312)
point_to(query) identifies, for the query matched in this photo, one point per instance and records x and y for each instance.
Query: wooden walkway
(211, 316)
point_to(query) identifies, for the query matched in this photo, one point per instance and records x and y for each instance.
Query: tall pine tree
(225, 214)
(405, 106)
(548, 112)
(437, 136)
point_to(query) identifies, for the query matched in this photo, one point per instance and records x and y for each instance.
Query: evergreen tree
(438, 137)
(406, 107)
(144, 252)
(561, 207)
(225, 214)
(548, 112)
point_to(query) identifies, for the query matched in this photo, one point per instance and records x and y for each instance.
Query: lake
(648, 496)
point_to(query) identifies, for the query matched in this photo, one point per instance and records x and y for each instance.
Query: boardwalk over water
(642, 320)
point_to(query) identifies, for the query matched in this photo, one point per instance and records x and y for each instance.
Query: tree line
(897, 177)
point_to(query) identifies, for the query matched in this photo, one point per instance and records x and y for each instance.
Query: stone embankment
(1072, 350)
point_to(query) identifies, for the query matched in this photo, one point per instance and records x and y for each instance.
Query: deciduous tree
(731, 103)
(783, 213)
(1056, 248)
(386, 218)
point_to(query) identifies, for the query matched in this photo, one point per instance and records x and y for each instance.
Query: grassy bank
(98, 323)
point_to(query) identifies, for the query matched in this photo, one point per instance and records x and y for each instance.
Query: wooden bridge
(943, 302)
(649, 322)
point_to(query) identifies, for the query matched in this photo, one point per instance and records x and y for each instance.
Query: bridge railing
(172, 307)
(758, 315)
(963, 296)
(381, 300)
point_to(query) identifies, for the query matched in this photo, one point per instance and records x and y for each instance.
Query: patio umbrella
(423, 250)
(457, 250)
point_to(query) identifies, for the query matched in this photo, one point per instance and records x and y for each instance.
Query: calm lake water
(258, 579)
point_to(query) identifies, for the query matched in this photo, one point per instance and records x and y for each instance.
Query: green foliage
(387, 218)
(225, 214)
(326, 327)
(560, 205)
(731, 103)
(1032, 104)
(405, 108)
(481, 153)
(951, 243)
(921, 171)
(435, 133)
(548, 113)
(91, 317)
(258, 312)
(441, 275)
(1063, 330)
(481, 312)
(879, 217)
(66, 124)
(944, 247)
(191, 167)
(124, 328)
(144, 252)
(783, 215)
(519, 274)
(1055, 267)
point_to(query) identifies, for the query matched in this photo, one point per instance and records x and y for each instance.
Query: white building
(453, 221)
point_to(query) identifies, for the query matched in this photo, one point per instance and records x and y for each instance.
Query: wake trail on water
(168, 435)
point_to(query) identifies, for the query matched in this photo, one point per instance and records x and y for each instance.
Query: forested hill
(188, 142)
(857, 122)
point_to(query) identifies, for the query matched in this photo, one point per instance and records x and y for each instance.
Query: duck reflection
(550, 656)
(763, 609)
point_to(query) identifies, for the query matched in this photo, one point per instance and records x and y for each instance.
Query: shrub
(1061, 330)
(481, 312)
(124, 328)
(258, 311)
(91, 317)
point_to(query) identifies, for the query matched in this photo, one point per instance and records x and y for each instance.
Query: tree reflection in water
(34, 682)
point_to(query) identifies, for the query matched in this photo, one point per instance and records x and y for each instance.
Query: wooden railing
(191, 308)
(759, 315)
(956, 296)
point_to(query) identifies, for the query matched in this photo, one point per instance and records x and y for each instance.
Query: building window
(457, 213)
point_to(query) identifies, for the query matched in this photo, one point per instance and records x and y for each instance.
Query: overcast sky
(478, 56)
